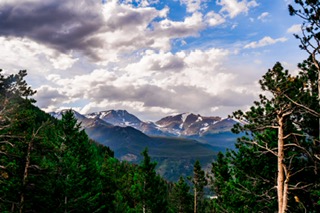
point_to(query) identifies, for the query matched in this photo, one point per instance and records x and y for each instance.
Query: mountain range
(175, 141)
(180, 125)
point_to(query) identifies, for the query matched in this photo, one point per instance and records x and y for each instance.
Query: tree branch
(303, 106)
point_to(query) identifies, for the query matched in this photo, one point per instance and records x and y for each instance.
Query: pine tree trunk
(25, 177)
(65, 204)
(66, 198)
(144, 192)
(195, 200)
(282, 183)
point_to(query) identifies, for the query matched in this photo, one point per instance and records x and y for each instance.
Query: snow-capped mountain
(187, 124)
(117, 118)
(123, 118)
(85, 121)
(181, 125)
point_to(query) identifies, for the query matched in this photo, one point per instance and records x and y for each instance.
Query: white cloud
(98, 31)
(232, 8)
(214, 19)
(124, 20)
(158, 83)
(192, 5)
(296, 28)
(265, 42)
(263, 16)
(25, 52)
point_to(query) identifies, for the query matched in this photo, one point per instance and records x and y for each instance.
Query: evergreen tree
(181, 199)
(25, 164)
(149, 189)
(199, 182)
(277, 113)
(243, 180)
(309, 12)
(78, 184)
(276, 155)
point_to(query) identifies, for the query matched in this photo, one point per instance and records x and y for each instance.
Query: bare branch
(11, 136)
(260, 146)
(35, 167)
(298, 146)
(4, 153)
(6, 142)
(311, 111)
(297, 187)
(292, 134)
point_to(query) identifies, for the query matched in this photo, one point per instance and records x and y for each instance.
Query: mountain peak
(117, 117)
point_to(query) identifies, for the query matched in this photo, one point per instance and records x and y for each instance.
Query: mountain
(187, 124)
(117, 118)
(175, 142)
(212, 130)
(85, 121)
(180, 125)
(123, 118)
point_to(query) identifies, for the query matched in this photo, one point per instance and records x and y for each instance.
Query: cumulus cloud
(60, 25)
(160, 82)
(179, 29)
(49, 98)
(192, 5)
(296, 28)
(214, 19)
(232, 8)
(25, 52)
(265, 42)
(100, 32)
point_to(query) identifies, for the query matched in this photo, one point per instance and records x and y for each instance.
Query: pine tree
(181, 199)
(77, 175)
(149, 189)
(24, 141)
(309, 12)
(276, 155)
(199, 182)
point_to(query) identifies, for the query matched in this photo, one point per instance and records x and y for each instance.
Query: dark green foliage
(244, 180)
(309, 11)
(199, 182)
(24, 156)
(181, 199)
(150, 189)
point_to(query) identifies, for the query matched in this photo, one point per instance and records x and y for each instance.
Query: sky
(153, 58)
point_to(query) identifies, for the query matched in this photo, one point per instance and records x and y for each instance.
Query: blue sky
(150, 57)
